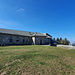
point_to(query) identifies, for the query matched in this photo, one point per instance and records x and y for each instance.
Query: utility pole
(45, 30)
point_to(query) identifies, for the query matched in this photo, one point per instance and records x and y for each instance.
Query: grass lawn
(36, 60)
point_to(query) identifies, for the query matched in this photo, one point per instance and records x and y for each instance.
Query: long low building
(15, 37)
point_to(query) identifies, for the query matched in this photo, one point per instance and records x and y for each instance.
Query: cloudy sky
(56, 16)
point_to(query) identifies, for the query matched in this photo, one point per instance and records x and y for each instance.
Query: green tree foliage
(63, 41)
(53, 38)
(60, 39)
(57, 39)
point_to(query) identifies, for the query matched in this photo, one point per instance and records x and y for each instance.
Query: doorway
(40, 42)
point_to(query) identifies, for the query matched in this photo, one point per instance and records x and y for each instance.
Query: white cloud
(20, 10)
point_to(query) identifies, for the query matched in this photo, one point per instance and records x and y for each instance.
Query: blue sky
(57, 16)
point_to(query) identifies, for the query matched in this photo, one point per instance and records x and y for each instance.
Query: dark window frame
(17, 40)
(23, 40)
(10, 40)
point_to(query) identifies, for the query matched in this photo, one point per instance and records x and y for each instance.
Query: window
(28, 40)
(23, 40)
(10, 36)
(0, 35)
(40, 42)
(17, 40)
(7, 38)
(17, 37)
(10, 40)
(37, 38)
(47, 40)
(23, 37)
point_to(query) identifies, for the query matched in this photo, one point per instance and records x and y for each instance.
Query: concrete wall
(23, 40)
(14, 39)
(42, 41)
(48, 41)
(66, 46)
(33, 41)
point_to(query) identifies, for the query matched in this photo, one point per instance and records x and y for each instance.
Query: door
(40, 42)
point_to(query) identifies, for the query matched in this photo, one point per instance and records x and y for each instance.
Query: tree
(67, 42)
(61, 42)
(53, 38)
(65, 39)
(57, 39)
(60, 39)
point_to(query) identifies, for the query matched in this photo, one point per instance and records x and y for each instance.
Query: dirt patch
(3, 73)
(26, 73)
(12, 62)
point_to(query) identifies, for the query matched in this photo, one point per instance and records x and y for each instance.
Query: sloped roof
(22, 33)
(48, 36)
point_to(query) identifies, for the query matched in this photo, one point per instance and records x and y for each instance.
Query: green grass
(36, 60)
